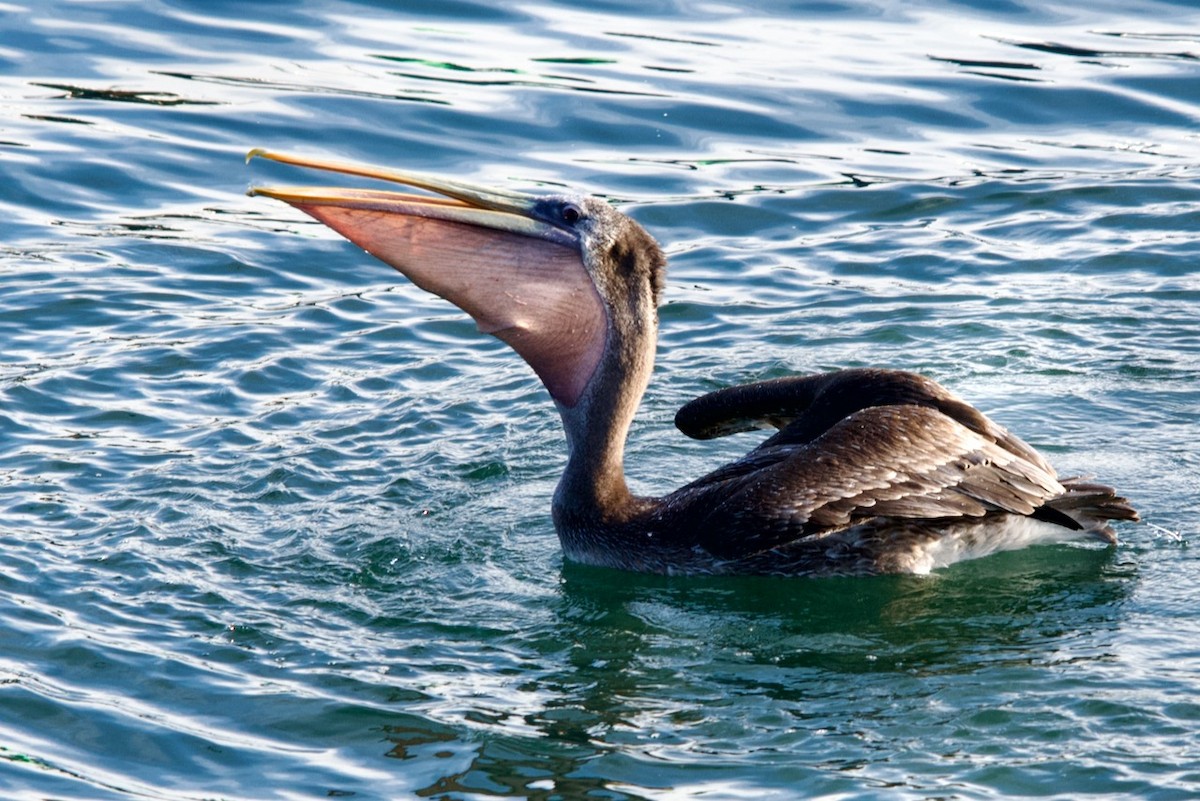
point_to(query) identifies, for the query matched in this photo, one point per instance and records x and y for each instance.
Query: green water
(275, 524)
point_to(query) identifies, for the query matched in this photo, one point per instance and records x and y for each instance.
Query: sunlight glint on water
(276, 524)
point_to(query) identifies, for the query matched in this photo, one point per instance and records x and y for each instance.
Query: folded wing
(852, 446)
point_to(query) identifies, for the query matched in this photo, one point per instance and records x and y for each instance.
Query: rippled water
(274, 524)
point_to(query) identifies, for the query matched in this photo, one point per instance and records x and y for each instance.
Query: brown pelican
(868, 471)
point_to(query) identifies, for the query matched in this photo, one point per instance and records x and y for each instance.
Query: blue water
(275, 525)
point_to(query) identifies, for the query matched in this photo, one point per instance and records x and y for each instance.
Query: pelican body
(868, 470)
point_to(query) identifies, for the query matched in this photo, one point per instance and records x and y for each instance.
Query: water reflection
(850, 626)
(123, 96)
(644, 671)
(306, 510)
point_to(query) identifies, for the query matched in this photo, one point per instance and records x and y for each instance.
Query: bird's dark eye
(570, 213)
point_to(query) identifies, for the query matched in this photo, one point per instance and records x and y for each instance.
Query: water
(275, 524)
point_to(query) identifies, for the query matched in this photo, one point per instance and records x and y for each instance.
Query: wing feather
(803, 408)
(904, 461)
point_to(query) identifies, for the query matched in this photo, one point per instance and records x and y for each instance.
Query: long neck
(592, 495)
(597, 518)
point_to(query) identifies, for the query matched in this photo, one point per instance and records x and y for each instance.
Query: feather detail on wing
(859, 445)
(805, 407)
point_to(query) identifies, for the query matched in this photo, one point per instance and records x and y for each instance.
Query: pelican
(868, 470)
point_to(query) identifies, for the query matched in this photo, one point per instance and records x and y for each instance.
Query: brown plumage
(868, 471)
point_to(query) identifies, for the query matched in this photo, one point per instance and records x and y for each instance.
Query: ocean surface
(274, 524)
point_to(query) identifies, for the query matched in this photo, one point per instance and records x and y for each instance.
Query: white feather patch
(974, 541)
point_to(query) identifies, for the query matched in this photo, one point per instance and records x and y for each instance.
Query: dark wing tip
(747, 407)
(1093, 504)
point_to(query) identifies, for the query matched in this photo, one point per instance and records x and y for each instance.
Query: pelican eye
(570, 213)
